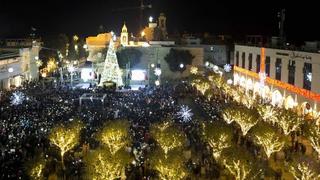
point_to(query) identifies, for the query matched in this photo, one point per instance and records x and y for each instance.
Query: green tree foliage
(177, 57)
(127, 55)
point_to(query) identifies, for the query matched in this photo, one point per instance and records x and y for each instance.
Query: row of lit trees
(247, 112)
(286, 119)
(237, 161)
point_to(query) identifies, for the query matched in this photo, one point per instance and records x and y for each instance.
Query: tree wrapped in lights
(218, 136)
(161, 125)
(268, 138)
(313, 135)
(209, 94)
(115, 135)
(51, 65)
(246, 118)
(66, 137)
(268, 113)
(304, 168)
(200, 83)
(169, 166)
(203, 87)
(240, 164)
(230, 113)
(289, 121)
(247, 101)
(169, 139)
(101, 164)
(35, 168)
(194, 70)
(216, 79)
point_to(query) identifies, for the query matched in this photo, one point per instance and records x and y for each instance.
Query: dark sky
(218, 17)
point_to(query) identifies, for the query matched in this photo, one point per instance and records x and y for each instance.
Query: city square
(140, 102)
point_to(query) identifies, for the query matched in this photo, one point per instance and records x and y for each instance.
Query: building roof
(5, 54)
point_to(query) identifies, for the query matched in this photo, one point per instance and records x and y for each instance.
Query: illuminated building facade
(18, 65)
(285, 77)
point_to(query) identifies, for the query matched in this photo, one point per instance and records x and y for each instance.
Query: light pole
(10, 70)
(71, 69)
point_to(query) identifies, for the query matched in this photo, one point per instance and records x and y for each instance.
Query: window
(237, 58)
(243, 60)
(258, 64)
(250, 61)
(307, 76)
(268, 66)
(278, 69)
(292, 70)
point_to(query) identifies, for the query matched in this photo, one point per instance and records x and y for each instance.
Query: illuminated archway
(256, 87)
(236, 78)
(289, 102)
(277, 98)
(243, 81)
(305, 108)
(249, 84)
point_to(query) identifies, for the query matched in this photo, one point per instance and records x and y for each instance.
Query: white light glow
(215, 68)
(71, 69)
(10, 70)
(152, 65)
(309, 76)
(138, 75)
(181, 65)
(229, 81)
(157, 82)
(157, 71)
(87, 74)
(151, 19)
(17, 98)
(185, 113)
(227, 68)
(207, 64)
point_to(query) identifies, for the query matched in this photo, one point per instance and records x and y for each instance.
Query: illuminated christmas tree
(111, 71)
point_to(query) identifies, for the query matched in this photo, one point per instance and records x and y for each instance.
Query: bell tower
(124, 36)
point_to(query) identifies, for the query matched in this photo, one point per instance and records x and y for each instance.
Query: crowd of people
(25, 126)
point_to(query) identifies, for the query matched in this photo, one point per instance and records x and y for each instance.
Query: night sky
(217, 17)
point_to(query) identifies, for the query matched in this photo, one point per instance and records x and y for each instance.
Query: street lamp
(143, 34)
(71, 69)
(10, 70)
(157, 82)
(181, 65)
(150, 19)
